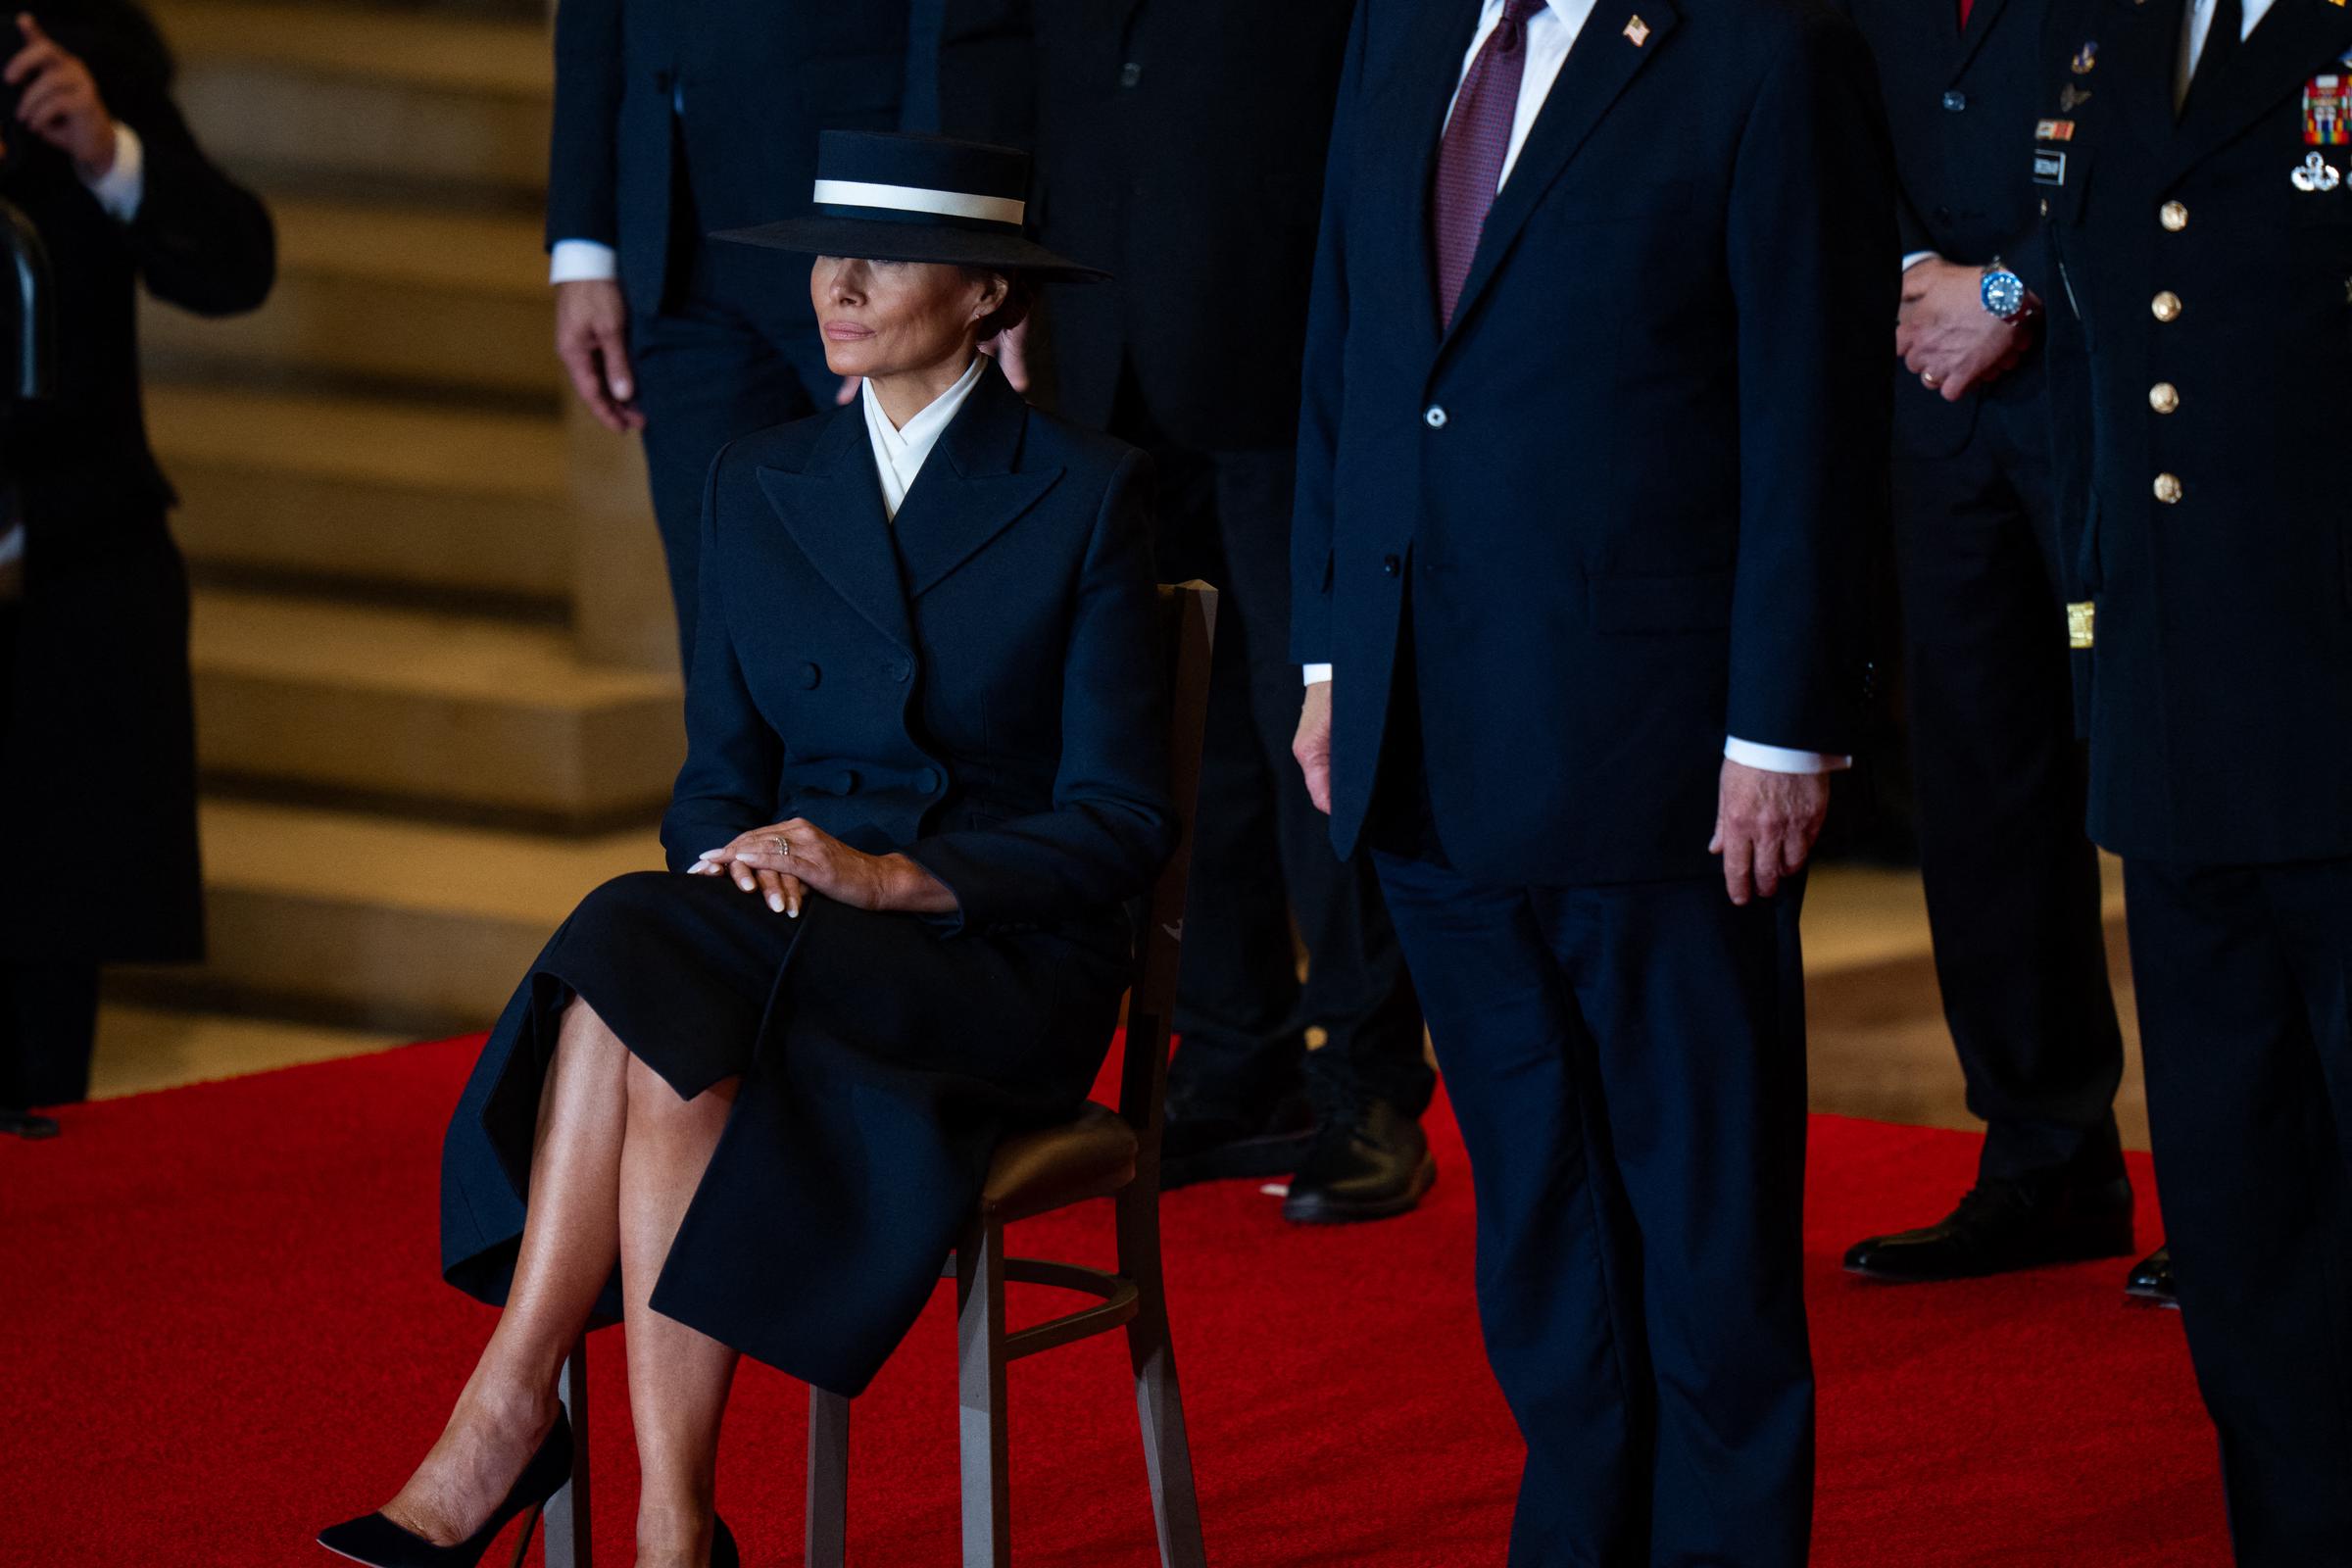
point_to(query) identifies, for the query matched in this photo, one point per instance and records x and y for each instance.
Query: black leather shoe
(1368, 1163)
(25, 1124)
(2152, 1280)
(375, 1540)
(2000, 1226)
(1202, 1140)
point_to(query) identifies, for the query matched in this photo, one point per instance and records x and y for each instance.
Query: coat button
(928, 781)
(810, 677)
(2173, 215)
(2164, 397)
(1391, 565)
(901, 671)
(2168, 489)
(1433, 416)
(1130, 74)
(845, 782)
(1955, 101)
(2167, 306)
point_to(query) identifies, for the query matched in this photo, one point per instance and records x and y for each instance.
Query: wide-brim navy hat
(891, 197)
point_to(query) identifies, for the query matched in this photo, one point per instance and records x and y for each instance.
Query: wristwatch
(2004, 292)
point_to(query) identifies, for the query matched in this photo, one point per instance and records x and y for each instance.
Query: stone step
(435, 712)
(378, 923)
(143, 1048)
(327, 96)
(399, 294)
(366, 493)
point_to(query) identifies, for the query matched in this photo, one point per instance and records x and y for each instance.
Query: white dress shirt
(2195, 25)
(119, 190)
(900, 449)
(1551, 32)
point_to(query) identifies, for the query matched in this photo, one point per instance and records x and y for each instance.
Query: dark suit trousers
(730, 352)
(48, 1026)
(2244, 977)
(1261, 852)
(1628, 1068)
(2012, 881)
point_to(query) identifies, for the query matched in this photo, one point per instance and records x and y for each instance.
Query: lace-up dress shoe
(2151, 1280)
(1204, 1140)
(1368, 1163)
(2001, 1226)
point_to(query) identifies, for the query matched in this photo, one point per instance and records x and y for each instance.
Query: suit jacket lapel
(2296, 41)
(970, 490)
(2138, 57)
(1413, 97)
(833, 511)
(1982, 16)
(1597, 69)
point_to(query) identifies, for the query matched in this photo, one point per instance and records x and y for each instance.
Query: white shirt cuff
(582, 261)
(1917, 257)
(120, 189)
(1780, 760)
(1317, 674)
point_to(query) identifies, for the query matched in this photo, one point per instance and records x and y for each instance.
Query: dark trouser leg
(1556, 1295)
(2244, 1024)
(2012, 882)
(48, 1025)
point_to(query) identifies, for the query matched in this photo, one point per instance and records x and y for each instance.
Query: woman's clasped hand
(786, 862)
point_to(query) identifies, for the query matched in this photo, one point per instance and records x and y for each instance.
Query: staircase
(412, 772)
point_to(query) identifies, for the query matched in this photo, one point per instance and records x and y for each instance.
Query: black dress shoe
(1204, 1140)
(25, 1124)
(1368, 1163)
(2152, 1280)
(2000, 1226)
(375, 1540)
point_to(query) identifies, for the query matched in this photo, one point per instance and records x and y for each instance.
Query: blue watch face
(2004, 293)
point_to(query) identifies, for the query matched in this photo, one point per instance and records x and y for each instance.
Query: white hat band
(916, 199)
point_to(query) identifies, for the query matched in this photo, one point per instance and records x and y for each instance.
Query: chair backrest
(1188, 622)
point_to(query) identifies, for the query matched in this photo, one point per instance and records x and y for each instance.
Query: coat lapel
(1415, 99)
(2138, 56)
(2298, 40)
(1982, 16)
(970, 490)
(1597, 69)
(833, 511)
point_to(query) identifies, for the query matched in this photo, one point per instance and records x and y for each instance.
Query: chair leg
(566, 1514)
(980, 1386)
(828, 1479)
(1167, 1452)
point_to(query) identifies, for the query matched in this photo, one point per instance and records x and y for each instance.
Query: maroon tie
(1470, 157)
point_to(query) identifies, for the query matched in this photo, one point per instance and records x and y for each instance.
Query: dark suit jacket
(2221, 680)
(1960, 104)
(1181, 146)
(96, 738)
(734, 94)
(992, 713)
(1629, 488)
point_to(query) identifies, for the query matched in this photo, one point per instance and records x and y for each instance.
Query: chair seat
(1090, 1155)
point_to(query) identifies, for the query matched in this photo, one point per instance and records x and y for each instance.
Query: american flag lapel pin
(1639, 31)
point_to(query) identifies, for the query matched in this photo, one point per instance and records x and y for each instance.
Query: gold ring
(1929, 380)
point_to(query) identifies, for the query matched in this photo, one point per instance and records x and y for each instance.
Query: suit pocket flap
(1688, 602)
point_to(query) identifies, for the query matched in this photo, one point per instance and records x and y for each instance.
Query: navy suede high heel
(378, 1541)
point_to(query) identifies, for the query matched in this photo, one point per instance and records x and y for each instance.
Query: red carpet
(220, 1327)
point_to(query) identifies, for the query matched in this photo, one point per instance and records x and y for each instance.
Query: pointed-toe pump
(378, 1541)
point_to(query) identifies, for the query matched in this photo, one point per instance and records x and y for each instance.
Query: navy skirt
(881, 1063)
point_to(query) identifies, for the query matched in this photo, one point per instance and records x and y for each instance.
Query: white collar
(900, 451)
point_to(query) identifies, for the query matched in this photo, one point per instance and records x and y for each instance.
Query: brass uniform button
(2081, 624)
(2167, 306)
(2174, 217)
(2164, 397)
(2168, 489)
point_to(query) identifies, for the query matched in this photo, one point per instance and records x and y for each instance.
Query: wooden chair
(1099, 1153)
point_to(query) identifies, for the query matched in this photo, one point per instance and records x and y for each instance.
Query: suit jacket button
(1391, 565)
(1130, 74)
(928, 781)
(2164, 397)
(2168, 489)
(1955, 101)
(810, 677)
(845, 782)
(901, 671)
(1433, 416)
(2167, 306)
(2174, 217)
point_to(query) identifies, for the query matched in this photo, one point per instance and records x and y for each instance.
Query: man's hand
(61, 102)
(592, 339)
(1312, 746)
(1947, 338)
(1011, 350)
(789, 860)
(1765, 825)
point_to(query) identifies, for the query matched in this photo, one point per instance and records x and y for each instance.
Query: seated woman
(747, 1109)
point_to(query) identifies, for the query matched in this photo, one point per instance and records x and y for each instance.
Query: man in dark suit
(673, 121)
(2012, 882)
(2199, 182)
(1588, 465)
(97, 741)
(1181, 144)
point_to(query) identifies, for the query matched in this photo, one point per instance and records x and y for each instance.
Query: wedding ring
(1929, 380)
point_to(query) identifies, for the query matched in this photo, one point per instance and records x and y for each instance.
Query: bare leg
(679, 1377)
(571, 1238)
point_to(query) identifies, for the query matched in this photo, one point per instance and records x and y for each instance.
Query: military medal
(2316, 174)
(2086, 58)
(2072, 98)
(2328, 112)
(2054, 131)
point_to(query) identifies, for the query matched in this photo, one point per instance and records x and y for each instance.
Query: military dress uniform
(2195, 163)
